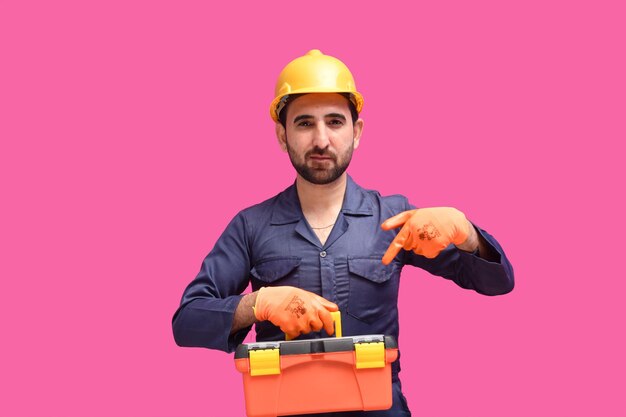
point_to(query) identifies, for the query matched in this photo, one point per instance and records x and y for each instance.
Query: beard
(328, 172)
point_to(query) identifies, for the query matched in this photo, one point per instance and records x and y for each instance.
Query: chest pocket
(276, 271)
(373, 288)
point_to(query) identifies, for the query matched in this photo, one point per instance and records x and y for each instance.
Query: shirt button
(323, 254)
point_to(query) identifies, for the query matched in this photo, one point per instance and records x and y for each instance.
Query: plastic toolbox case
(318, 375)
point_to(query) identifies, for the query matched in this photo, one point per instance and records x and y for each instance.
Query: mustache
(317, 151)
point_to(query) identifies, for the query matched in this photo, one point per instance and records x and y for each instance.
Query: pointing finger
(397, 220)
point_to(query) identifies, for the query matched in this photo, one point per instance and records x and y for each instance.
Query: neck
(321, 203)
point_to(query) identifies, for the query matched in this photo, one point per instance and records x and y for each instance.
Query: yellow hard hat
(314, 73)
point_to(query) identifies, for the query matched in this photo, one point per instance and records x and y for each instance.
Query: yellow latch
(370, 355)
(264, 362)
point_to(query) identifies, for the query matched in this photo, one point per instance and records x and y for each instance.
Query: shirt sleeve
(468, 270)
(208, 305)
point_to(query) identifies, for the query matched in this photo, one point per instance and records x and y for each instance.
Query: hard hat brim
(357, 99)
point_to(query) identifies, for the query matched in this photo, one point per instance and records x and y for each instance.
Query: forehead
(318, 104)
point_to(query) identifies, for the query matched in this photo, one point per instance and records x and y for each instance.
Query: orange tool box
(318, 375)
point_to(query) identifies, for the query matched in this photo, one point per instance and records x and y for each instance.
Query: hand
(294, 310)
(426, 231)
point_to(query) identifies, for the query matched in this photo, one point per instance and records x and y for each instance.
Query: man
(325, 243)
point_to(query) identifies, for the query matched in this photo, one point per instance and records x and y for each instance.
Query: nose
(321, 138)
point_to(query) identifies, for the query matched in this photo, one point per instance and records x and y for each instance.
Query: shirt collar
(287, 206)
(356, 202)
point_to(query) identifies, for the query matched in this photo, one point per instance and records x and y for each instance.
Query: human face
(319, 136)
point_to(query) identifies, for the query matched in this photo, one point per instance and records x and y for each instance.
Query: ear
(358, 130)
(281, 135)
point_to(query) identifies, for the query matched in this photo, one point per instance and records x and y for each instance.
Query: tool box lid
(323, 345)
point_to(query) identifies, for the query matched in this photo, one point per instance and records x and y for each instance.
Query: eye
(304, 123)
(336, 122)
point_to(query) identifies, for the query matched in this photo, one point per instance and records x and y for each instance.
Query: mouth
(320, 156)
(321, 162)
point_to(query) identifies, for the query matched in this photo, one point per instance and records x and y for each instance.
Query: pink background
(133, 131)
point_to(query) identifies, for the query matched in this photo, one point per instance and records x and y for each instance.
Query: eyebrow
(336, 115)
(329, 115)
(302, 116)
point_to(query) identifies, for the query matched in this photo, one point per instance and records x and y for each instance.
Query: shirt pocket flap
(274, 269)
(371, 269)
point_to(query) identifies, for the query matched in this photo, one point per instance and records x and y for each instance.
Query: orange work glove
(426, 231)
(294, 310)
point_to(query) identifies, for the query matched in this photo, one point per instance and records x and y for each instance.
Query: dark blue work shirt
(272, 244)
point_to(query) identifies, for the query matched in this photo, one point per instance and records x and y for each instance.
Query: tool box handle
(336, 315)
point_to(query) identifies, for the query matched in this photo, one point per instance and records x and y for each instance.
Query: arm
(489, 272)
(244, 314)
(442, 241)
(214, 314)
(207, 309)
(476, 243)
